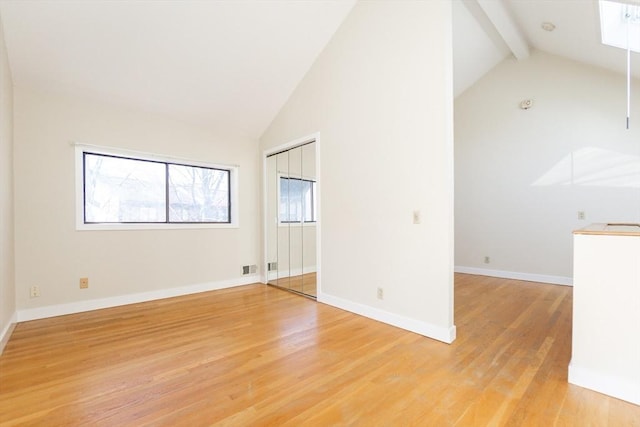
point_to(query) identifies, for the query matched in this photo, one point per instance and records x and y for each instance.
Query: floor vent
(249, 269)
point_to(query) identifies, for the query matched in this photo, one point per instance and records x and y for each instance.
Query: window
(129, 191)
(198, 194)
(620, 24)
(297, 200)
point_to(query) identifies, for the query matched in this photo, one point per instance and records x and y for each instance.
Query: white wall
(50, 253)
(522, 176)
(380, 95)
(7, 289)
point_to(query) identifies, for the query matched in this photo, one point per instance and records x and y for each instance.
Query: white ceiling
(231, 65)
(577, 33)
(477, 46)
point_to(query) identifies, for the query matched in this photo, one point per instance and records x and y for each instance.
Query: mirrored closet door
(291, 219)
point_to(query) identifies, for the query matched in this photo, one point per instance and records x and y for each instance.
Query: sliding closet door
(295, 218)
(282, 200)
(291, 216)
(309, 208)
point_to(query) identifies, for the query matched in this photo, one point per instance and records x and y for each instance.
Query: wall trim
(620, 388)
(96, 304)
(7, 331)
(529, 277)
(446, 335)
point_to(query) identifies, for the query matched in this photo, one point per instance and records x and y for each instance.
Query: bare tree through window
(126, 190)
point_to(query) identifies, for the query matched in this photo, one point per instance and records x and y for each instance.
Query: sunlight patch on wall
(592, 166)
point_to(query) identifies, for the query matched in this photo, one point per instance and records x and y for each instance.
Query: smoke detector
(526, 104)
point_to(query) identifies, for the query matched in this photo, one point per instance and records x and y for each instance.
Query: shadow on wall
(591, 166)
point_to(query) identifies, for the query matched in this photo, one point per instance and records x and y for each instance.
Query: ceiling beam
(499, 16)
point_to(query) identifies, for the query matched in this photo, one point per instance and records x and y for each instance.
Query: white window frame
(80, 149)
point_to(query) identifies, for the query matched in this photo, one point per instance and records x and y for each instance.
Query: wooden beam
(503, 22)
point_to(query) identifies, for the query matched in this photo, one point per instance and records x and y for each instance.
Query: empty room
(324, 212)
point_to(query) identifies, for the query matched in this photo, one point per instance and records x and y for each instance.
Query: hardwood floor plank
(257, 355)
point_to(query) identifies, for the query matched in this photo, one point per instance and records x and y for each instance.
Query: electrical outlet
(416, 217)
(34, 292)
(84, 282)
(581, 215)
(380, 293)
(487, 260)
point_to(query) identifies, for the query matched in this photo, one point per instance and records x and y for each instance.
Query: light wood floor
(256, 355)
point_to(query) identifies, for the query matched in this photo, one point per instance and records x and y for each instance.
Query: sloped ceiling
(477, 45)
(231, 65)
(576, 35)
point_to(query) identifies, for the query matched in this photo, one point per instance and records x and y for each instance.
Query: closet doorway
(291, 211)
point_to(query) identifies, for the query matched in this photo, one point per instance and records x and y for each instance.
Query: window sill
(164, 226)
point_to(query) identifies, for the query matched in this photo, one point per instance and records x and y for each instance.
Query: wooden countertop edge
(601, 230)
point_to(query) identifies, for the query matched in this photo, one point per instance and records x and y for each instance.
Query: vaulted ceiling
(232, 65)
(229, 65)
(488, 31)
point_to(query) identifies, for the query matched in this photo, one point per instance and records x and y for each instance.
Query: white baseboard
(96, 304)
(6, 332)
(447, 335)
(529, 277)
(620, 388)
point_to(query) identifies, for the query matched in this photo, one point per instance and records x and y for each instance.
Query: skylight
(620, 24)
